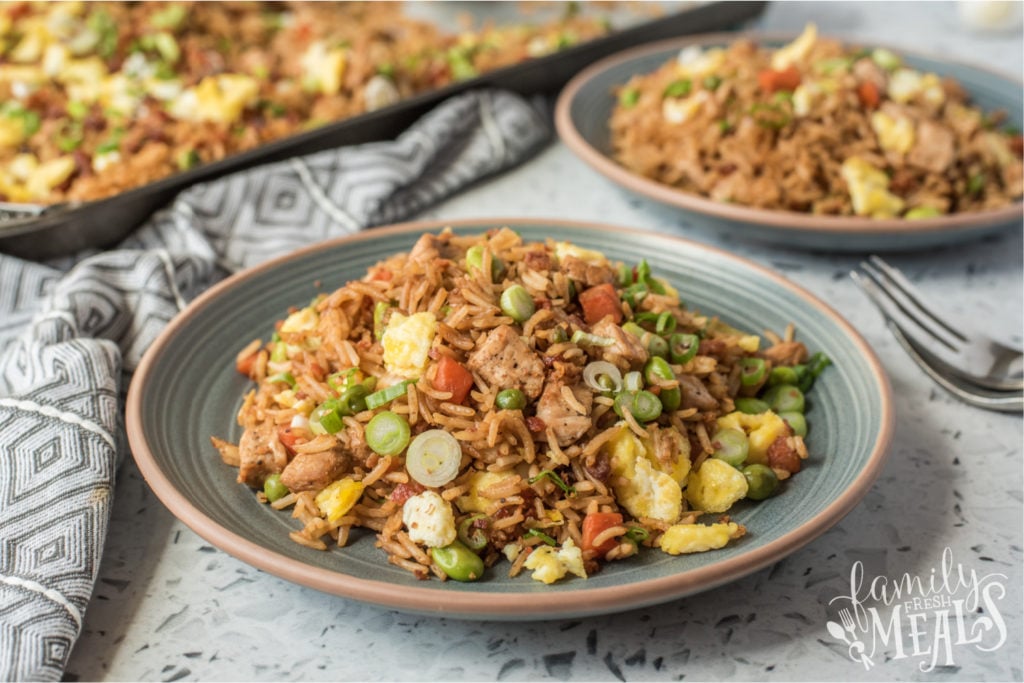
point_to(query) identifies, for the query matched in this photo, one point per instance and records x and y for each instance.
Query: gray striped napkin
(72, 332)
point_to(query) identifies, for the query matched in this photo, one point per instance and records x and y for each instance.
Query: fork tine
(902, 312)
(913, 295)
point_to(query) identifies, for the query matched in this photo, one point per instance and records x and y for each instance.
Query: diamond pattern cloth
(72, 332)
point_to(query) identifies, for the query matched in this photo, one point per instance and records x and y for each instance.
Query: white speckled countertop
(167, 606)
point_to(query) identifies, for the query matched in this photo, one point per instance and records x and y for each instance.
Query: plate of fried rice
(509, 418)
(805, 140)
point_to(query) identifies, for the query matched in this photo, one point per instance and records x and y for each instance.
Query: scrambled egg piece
(715, 486)
(628, 446)
(550, 565)
(406, 342)
(83, 79)
(338, 498)
(869, 190)
(478, 481)
(646, 492)
(25, 178)
(563, 249)
(323, 69)
(796, 51)
(761, 430)
(907, 84)
(693, 62)
(894, 134)
(221, 98)
(429, 520)
(682, 109)
(303, 320)
(680, 539)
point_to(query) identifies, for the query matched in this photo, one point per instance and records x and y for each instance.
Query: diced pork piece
(866, 71)
(695, 394)
(506, 362)
(429, 247)
(627, 351)
(567, 422)
(589, 274)
(257, 459)
(786, 353)
(934, 149)
(314, 471)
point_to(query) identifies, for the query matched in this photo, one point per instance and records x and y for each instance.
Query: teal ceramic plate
(187, 389)
(585, 107)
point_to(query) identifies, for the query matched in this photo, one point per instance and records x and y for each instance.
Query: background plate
(186, 389)
(585, 106)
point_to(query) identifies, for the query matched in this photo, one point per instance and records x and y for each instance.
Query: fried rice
(97, 98)
(819, 127)
(481, 400)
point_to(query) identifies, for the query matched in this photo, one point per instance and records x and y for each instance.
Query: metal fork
(971, 356)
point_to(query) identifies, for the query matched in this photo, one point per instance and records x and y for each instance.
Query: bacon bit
(303, 32)
(599, 302)
(535, 424)
(382, 275)
(317, 371)
(288, 438)
(301, 395)
(711, 347)
(772, 81)
(404, 492)
(782, 455)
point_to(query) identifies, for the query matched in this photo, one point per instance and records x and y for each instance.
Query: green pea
(731, 446)
(458, 562)
(510, 399)
(784, 398)
(752, 406)
(273, 489)
(472, 534)
(761, 481)
(796, 421)
(517, 303)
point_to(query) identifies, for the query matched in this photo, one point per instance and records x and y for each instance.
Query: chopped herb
(680, 88)
(559, 482)
(712, 82)
(542, 536)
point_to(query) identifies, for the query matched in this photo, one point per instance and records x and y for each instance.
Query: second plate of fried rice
(805, 140)
(188, 388)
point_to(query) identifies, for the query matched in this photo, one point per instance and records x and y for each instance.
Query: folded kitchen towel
(72, 332)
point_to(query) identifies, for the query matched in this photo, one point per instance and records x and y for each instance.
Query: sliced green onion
(380, 309)
(752, 371)
(286, 377)
(387, 433)
(559, 482)
(680, 88)
(475, 261)
(581, 338)
(353, 399)
(815, 366)
(666, 323)
(625, 275)
(643, 271)
(471, 535)
(434, 457)
(602, 376)
(633, 381)
(657, 346)
(517, 303)
(77, 109)
(712, 82)
(558, 335)
(187, 158)
(886, 59)
(279, 353)
(637, 534)
(634, 329)
(385, 396)
(542, 536)
(325, 418)
(683, 347)
(169, 17)
(976, 183)
(634, 294)
(340, 381)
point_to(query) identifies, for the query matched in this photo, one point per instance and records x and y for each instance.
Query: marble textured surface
(167, 606)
